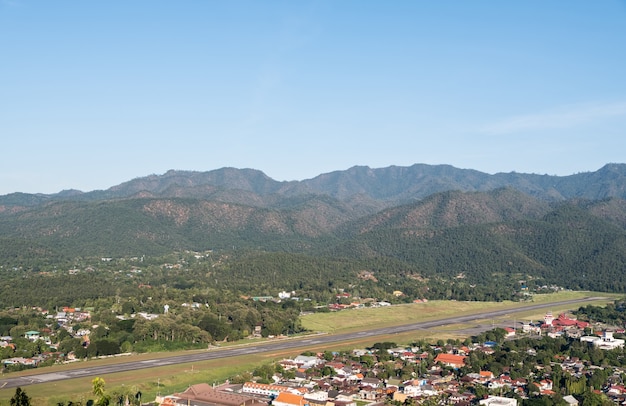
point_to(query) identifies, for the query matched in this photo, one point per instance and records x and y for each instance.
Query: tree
(20, 398)
(98, 391)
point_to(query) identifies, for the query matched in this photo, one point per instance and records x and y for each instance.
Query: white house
(306, 362)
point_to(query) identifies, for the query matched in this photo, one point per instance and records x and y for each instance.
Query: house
(421, 390)
(451, 360)
(498, 401)
(371, 382)
(545, 384)
(344, 400)
(531, 328)
(615, 390)
(21, 361)
(5, 344)
(32, 335)
(320, 396)
(204, 395)
(307, 362)
(289, 399)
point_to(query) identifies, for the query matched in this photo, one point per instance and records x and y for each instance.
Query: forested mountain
(420, 222)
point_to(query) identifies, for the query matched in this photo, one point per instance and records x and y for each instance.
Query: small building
(570, 400)
(451, 360)
(289, 399)
(498, 401)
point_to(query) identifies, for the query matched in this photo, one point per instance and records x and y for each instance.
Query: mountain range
(439, 219)
(391, 185)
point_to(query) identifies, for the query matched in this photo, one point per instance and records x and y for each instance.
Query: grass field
(360, 319)
(170, 379)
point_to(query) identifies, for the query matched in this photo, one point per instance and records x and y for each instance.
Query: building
(204, 395)
(451, 360)
(498, 401)
(606, 342)
(289, 399)
(262, 389)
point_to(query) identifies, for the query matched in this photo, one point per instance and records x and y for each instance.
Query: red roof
(451, 359)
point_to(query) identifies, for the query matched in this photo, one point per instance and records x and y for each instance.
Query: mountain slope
(156, 226)
(472, 230)
(567, 246)
(453, 209)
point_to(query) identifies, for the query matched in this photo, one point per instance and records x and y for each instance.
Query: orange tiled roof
(451, 359)
(290, 398)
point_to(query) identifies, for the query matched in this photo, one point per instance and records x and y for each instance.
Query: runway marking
(51, 377)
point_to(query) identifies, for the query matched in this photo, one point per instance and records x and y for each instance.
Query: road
(316, 341)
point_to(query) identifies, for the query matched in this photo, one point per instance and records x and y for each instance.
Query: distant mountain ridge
(380, 187)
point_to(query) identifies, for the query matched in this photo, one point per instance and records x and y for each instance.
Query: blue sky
(96, 93)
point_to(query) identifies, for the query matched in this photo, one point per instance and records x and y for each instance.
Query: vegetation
(20, 398)
(464, 246)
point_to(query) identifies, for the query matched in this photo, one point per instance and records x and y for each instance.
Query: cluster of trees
(181, 327)
(613, 313)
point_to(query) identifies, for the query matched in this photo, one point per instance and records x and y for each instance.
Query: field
(170, 379)
(360, 319)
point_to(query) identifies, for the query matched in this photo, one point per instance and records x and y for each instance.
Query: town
(559, 360)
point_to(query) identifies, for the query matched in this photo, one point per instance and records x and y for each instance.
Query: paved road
(315, 341)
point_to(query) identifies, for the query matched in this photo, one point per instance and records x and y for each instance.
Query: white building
(263, 389)
(320, 396)
(498, 401)
(606, 342)
(307, 362)
(284, 295)
(421, 390)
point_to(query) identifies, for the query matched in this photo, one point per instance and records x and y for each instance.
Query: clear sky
(95, 93)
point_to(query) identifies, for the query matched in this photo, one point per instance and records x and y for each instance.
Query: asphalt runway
(314, 341)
